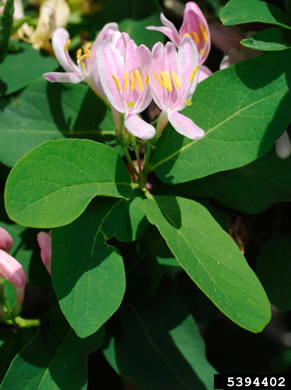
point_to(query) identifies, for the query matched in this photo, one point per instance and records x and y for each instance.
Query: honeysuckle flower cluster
(10, 268)
(130, 76)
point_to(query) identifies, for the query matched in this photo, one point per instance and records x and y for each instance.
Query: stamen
(87, 46)
(146, 81)
(130, 104)
(125, 80)
(165, 80)
(187, 35)
(193, 73)
(159, 80)
(82, 59)
(188, 102)
(79, 54)
(116, 82)
(138, 80)
(87, 49)
(67, 45)
(176, 79)
(169, 82)
(196, 37)
(204, 33)
(132, 81)
(202, 51)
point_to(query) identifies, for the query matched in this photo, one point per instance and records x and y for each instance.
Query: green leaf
(55, 359)
(6, 22)
(45, 111)
(88, 275)
(13, 77)
(274, 270)
(162, 336)
(127, 222)
(249, 189)
(211, 259)
(244, 109)
(247, 11)
(52, 185)
(11, 342)
(271, 39)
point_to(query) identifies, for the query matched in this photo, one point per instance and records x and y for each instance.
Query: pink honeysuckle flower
(123, 70)
(86, 69)
(45, 243)
(173, 78)
(194, 25)
(204, 73)
(10, 268)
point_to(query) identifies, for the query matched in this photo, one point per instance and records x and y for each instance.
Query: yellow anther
(188, 102)
(87, 49)
(169, 82)
(203, 32)
(87, 46)
(193, 73)
(176, 79)
(132, 81)
(202, 51)
(67, 45)
(159, 80)
(196, 37)
(130, 104)
(165, 79)
(138, 80)
(146, 80)
(82, 59)
(79, 53)
(125, 86)
(187, 35)
(116, 82)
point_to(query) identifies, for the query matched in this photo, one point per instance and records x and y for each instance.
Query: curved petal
(157, 66)
(195, 24)
(64, 77)
(12, 270)
(138, 127)
(106, 32)
(45, 243)
(110, 66)
(283, 146)
(144, 61)
(185, 126)
(188, 62)
(59, 39)
(169, 30)
(6, 241)
(204, 73)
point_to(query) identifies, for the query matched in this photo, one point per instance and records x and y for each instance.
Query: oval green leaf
(52, 185)
(243, 109)
(88, 275)
(211, 259)
(271, 39)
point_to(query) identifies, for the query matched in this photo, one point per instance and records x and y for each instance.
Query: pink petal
(204, 73)
(192, 21)
(138, 127)
(6, 241)
(157, 66)
(64, 77)
(12, 270)
(188, 61)
(225, 38)
(45, 243)
(106, 32)
(169, 30)
(185, 126)
(144, 60)
(59, 39)
(110, 63)
(283, 146)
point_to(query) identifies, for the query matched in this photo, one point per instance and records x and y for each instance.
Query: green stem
(148, 150)
(128, 158)
(23, 322)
